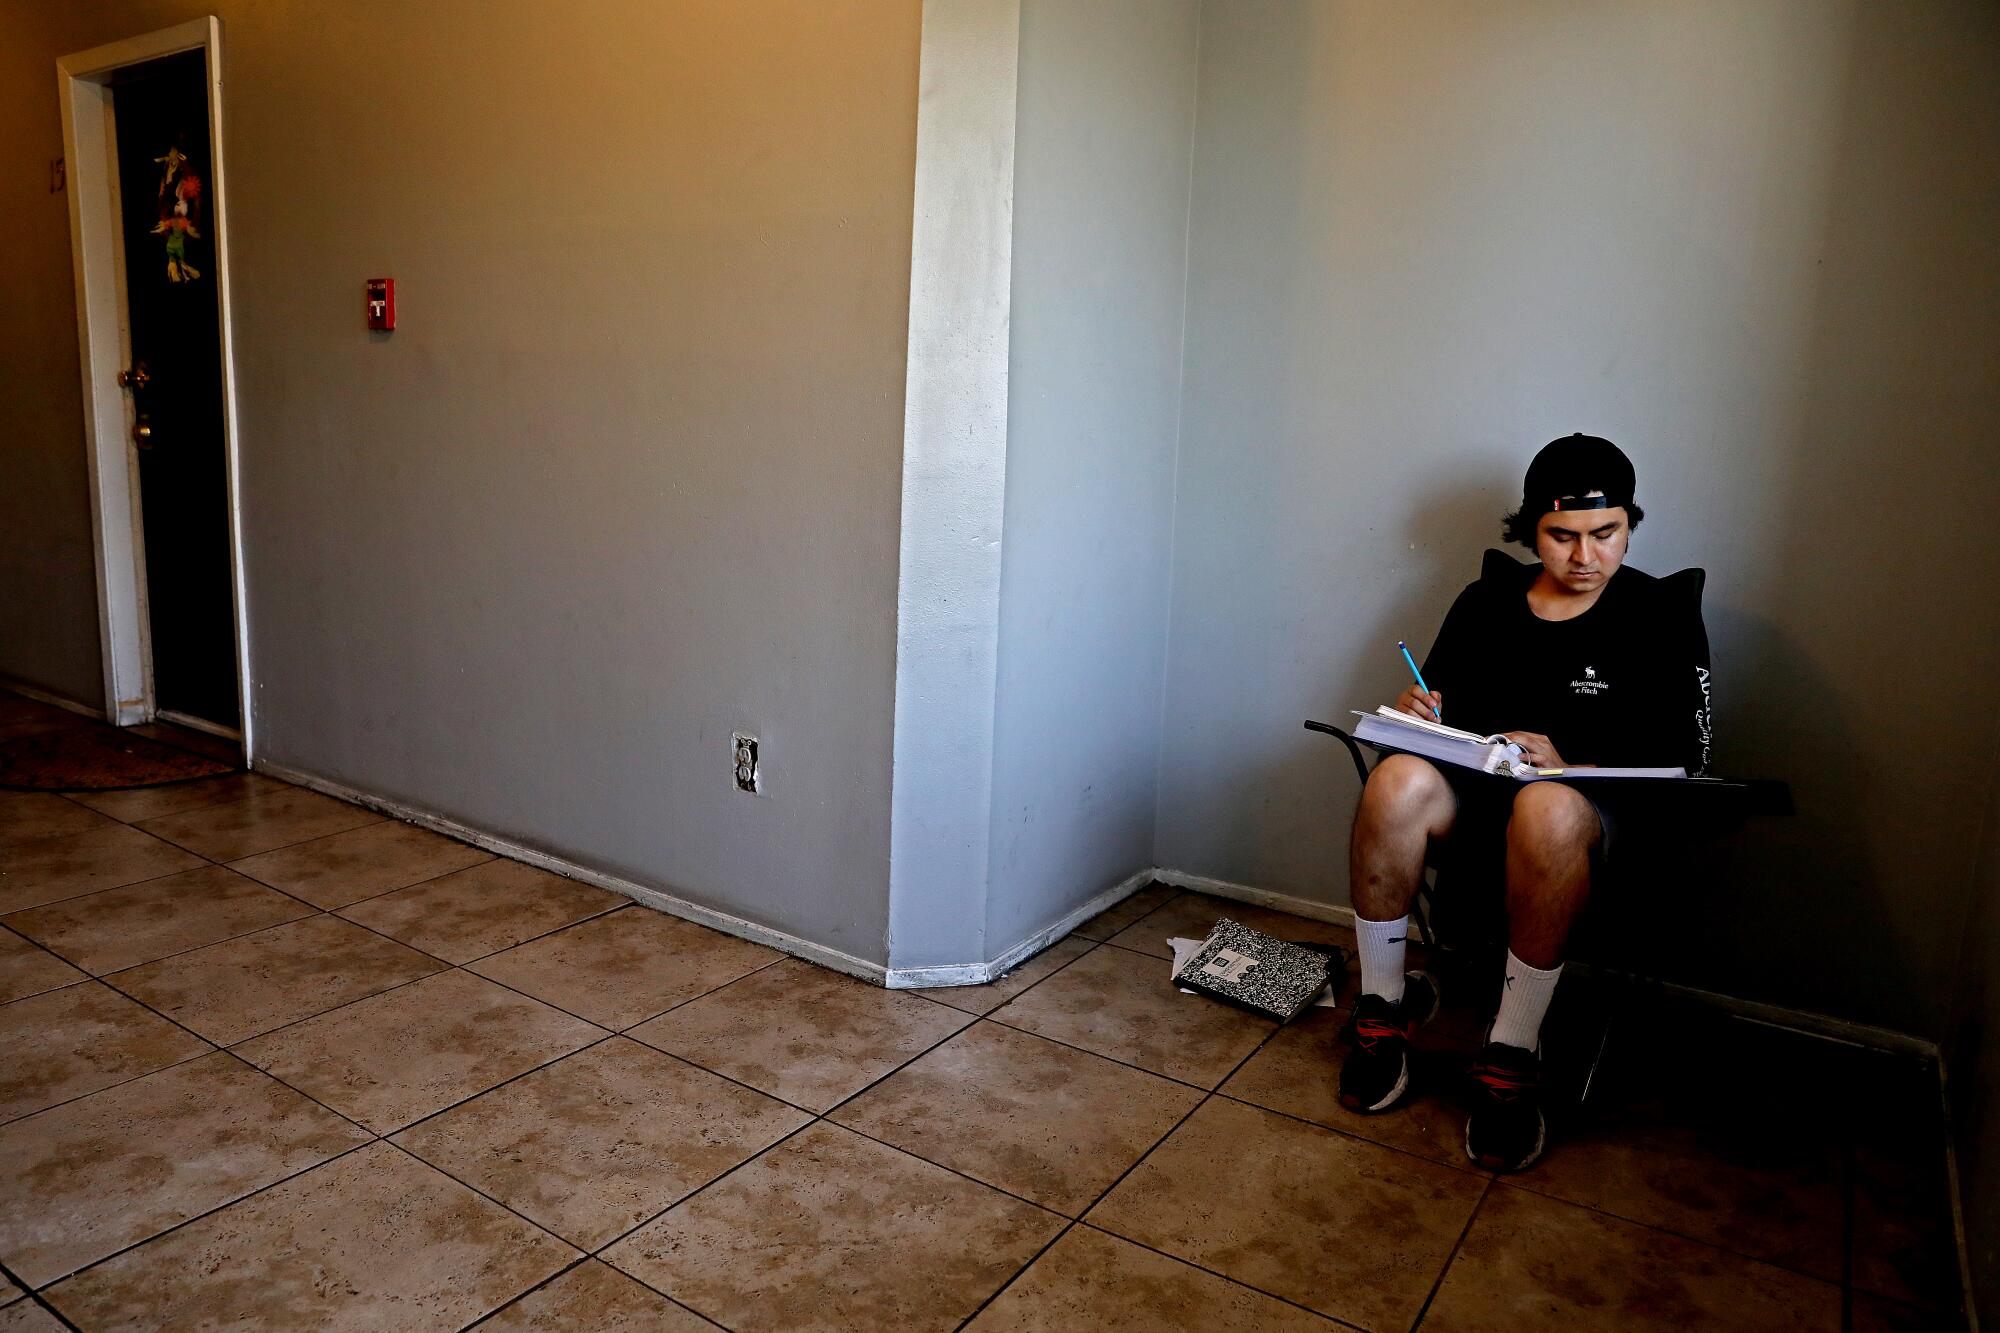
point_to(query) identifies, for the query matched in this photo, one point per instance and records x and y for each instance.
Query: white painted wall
(1099, 283)
(1754, 244)
(954, 480)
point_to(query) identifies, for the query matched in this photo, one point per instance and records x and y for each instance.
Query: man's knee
(1548, 816)
(1404, 787)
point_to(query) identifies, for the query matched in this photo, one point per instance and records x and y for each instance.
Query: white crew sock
(1523, 1002)
(1382, 945)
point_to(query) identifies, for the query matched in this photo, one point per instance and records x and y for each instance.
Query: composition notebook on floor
(1262, 973)
(1489, 754)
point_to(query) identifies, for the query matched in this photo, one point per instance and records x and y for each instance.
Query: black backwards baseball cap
(1562, 478)
(1566, 471)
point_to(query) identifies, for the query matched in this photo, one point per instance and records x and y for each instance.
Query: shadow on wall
(1808, 885)
(1885, 586)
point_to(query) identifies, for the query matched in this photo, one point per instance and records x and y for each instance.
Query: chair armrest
(1353, 750)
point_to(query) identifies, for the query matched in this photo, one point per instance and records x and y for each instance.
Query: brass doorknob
(142, 433)
(135, 378)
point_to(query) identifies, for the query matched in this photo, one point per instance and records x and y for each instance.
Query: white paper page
(1434, 728)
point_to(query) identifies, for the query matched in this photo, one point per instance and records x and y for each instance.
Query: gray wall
(626, 478)
(1101, 176)
(1973, 1063)
(1752, 243)
(48, 582)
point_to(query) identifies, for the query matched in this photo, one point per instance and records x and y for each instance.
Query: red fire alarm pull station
(381, 303)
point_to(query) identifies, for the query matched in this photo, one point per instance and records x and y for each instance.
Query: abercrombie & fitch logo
(1589, 683)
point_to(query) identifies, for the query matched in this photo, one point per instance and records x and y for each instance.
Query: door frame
(104, 347)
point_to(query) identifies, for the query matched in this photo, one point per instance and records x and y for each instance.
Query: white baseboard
(978, 974)
(1244, 893)
(42, 696)
(642, 893)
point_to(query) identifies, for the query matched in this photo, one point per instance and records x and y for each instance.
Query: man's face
(1582, 548)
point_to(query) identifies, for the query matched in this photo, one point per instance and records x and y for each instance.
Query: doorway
(143, 142)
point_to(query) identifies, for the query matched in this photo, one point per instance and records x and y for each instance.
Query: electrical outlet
(746, 762)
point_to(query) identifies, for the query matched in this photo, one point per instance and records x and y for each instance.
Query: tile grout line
(444, 965)
(1348, 1134)
(1114, 1059)
(248, 934)
(365, 898)
(192, 948)
(818, 1118)
(1172, 1130)
(37, 944)
(389, 1142)
(302, 1093)
(29, 1293)
(1451, 1255)
(946, 1166)
(580, 1261)
(988, 1013)
(231, 867)
(281, 847)
(70, 1101)
(550, 1280)
(128, 884)
(1335, 1320)
(651, 1218)
(190, 1221)
(442, 968)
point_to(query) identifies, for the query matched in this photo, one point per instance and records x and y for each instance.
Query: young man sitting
(1579, 661)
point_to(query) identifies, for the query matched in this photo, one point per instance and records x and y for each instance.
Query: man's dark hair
(1565, 472)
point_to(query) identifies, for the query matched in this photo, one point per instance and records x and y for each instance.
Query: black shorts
(1485, 802)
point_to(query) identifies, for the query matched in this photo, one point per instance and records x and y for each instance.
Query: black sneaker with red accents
(1376, 1073)
(1506, 1130)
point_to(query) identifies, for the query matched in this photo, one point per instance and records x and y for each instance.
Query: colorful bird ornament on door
(180, 210)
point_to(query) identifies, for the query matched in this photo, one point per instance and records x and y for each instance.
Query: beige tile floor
(268, 1059)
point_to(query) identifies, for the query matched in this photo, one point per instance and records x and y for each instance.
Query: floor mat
(98, 759)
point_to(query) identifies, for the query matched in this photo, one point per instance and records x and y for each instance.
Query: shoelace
(1506, 1085)
(1370, 1031)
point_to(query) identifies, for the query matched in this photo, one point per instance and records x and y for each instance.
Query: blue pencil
(1404, 649)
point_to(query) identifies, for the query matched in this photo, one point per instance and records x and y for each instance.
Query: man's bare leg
(1550, 837)
(1406, 803)
(1549, 841)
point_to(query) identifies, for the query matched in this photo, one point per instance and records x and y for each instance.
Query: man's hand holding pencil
(1426, 704)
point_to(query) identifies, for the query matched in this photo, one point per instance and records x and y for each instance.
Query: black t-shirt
(1625, 683)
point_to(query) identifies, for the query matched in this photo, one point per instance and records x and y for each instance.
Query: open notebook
(1489, 754)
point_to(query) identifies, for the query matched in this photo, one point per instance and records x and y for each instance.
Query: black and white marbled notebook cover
(1259, 972)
